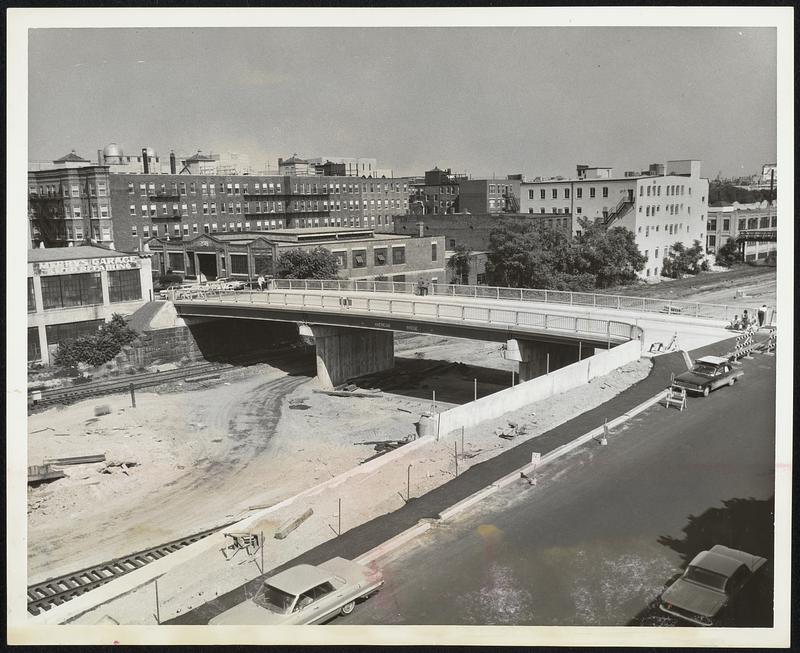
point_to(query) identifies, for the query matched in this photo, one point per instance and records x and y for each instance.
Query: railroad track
(55, 591)
(148, 379)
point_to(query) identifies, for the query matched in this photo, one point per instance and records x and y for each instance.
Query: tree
(459, 264)
(681, 260)
(97, 348)
(530, 255)
(611, 255)
(728, 254)
(318, 263)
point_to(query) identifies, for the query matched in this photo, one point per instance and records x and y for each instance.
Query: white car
(305, 594)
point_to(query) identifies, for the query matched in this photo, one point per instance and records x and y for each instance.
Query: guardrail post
(489, 316)
(520, 294)
(545, 320)
(437, 311)
(619, 302)
(697, 309)
(463, 313)
(570, 298)
(594, 300)
(545, 296)
(374, 286)
(413, 307)
(475, 292)
(498, 292)
(390, 305)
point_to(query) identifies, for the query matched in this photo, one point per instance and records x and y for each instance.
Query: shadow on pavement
(744, 524)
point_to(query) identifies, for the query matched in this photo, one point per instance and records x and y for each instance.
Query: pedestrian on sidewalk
(762, 315)
(745, 319)
(261, 282)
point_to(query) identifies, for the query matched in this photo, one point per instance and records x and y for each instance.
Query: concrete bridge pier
(344, 353)
(534, 357)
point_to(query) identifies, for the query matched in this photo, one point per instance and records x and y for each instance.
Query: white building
(661, 206)
(72, 291)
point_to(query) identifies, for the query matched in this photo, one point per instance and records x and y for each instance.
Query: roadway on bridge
(595, 540)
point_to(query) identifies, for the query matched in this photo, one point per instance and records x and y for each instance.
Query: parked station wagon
(711, 581)
(708, 373)
(305, 594)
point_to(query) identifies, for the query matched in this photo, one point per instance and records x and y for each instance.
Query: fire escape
(511, 204)
(622, 207)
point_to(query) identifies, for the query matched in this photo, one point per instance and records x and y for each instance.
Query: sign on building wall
(77, 266)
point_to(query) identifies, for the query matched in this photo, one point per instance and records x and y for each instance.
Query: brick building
(362, 253)
(123, 210)
(754, 227)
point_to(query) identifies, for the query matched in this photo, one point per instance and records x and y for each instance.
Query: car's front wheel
(348, 608)
(706, 390)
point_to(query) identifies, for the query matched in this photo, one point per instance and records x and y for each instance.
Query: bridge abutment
(344, 353)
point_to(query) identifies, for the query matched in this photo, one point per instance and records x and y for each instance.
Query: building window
(58, 334)
(542, 194)
(68, 290)
(133, 230)
(726, 224)
(434, 252)
(605, 191)
(146, 231)
(555, 193)
(398, 255)
(133, 209)
(130, 189)
(578, 210)
(566, 193)
(380, 255)
(34, 348)
(359, 258)
(239, 264)
(31, 296)
(592, 192)
(712, 241)
(124, 286)
(175, 261)
(341, 259)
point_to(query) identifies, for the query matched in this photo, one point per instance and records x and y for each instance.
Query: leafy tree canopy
(683, 260)
(318, 263)
(97, 348)
(719, 191)
(459, 263)
(532, 255)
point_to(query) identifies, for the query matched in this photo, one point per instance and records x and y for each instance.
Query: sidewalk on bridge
(353, 543)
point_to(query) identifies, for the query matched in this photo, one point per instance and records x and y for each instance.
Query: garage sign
(77, 266)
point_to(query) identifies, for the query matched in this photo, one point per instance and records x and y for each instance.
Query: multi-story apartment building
(70, 205)
(123, 210)
(444, 192)
(754, 227)
(660, 206)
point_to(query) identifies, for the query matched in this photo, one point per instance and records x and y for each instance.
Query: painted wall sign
(77, 266)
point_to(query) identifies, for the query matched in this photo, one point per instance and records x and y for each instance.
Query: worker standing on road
(745, 319)
(762, 315)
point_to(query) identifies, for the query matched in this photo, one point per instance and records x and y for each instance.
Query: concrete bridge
(352, 322)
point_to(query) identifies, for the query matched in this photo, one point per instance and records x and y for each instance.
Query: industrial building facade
(361, 254)
(74, 290)
(661, 206)
(754, 228)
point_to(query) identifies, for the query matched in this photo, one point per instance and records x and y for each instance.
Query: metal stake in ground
(340, 515)
(462, 441)
(158, 612)
(408, 485)
(475, 394)
(133, 396)
(455, 455)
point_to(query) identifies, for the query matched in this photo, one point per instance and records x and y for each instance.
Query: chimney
(421, 228)
(145, 162)
(172, 165)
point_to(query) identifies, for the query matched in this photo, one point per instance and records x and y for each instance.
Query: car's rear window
(705, 577)
(274, 599)
(705, 370)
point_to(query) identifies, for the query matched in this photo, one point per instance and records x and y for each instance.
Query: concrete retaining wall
(542, 387)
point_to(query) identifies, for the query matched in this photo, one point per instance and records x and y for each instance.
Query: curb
(399, 540)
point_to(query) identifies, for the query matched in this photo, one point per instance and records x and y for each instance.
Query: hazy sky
(482, 101)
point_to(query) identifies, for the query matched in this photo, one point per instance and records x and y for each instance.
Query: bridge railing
(424, 308)
(563, 297)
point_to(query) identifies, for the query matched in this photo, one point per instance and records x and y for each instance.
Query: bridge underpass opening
(537, 358)
(207, 264)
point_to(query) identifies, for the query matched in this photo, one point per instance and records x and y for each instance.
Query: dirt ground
(758, 283)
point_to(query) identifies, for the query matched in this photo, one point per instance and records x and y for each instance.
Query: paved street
(594, 541)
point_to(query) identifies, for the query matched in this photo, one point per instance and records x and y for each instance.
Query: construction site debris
(289, 526)
(349, 393)
(46, 428)
(43, 474)
(76, 460)
(103, 409)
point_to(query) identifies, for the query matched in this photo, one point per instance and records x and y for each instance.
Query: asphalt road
(593, 542)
